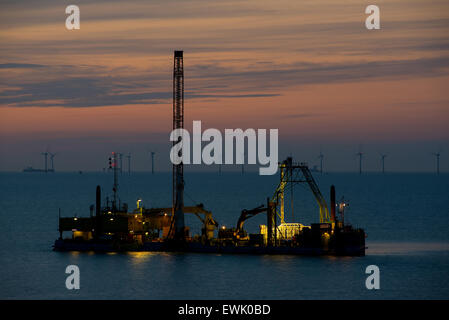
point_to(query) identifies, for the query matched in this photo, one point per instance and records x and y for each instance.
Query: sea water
(405, 215)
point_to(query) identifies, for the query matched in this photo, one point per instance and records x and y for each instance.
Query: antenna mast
(113, 165)
(121, 161)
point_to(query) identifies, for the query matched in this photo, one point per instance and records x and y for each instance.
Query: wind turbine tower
(321, 157)
(45, 154)
(52, 156)
(437, 155)
(360, 155)
(129, 163)
(383, 156)
(152, 162)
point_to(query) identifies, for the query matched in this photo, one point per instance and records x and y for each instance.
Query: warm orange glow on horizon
(309, 68)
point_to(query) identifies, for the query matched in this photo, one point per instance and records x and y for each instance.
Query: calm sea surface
(406, 217)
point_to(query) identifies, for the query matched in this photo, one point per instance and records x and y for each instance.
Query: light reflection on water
(405, 248)
(140, 258)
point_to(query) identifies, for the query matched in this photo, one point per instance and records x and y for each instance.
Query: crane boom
(246, 214)
(324, 211)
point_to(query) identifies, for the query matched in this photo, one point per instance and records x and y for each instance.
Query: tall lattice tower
(178, 123)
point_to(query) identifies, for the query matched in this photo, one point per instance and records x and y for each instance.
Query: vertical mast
(178, 123)
(115, 187)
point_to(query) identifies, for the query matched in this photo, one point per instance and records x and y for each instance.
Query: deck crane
(289, 173)
(205, 216)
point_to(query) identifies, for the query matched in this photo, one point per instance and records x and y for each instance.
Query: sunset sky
(307, 67)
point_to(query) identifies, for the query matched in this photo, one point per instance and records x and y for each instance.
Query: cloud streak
(95, 91)
(20, 66)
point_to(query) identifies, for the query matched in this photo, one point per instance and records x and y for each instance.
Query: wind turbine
(52, 156)
(321, 157)
(360, 155)
(129, 163)
(45, 154)
(152, 161)
(437, 155)
(383, 156)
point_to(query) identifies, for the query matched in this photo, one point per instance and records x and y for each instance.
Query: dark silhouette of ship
(114, 228)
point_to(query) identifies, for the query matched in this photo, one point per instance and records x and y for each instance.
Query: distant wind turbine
(152, 162)
(45, 154)
(52, 156)
(383, 156)
(437, 155)
(129, 163)
(321, 157)
(360, 155)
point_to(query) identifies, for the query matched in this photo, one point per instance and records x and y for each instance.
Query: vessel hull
(62, 245)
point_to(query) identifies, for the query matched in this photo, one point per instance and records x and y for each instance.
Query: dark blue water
(406, 217)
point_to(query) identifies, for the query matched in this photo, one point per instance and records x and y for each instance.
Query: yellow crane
(289, 174)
